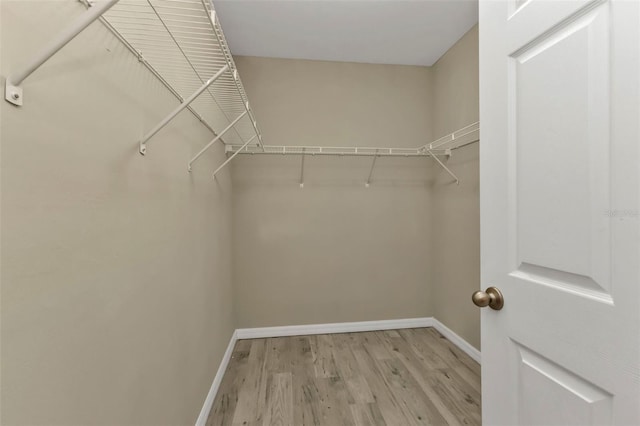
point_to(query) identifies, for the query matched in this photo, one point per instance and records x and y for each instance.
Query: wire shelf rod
(203, 150)
(182, 41)
(155, 72)
(373, 164)
(159, 37)
(186, 57)
(228, 160)
(445, 167)
(462, 132)
(423, 151)
(220, 37)
(335, 151)
(13, 91)
(302, 169)
(183, 105)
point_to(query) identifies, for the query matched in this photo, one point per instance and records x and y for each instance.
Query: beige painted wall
(455, 211)
(334, 250)
(116, 269)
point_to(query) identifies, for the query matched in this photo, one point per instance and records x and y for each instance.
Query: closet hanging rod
(337, 151)
(228, 160)
(440, 147)
(13, 91)
(183, 105)
(216, 139)
(443, 146)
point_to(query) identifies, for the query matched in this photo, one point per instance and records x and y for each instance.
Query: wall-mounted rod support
(179, 108)
(302, 171)
(13, 91)
(228, 160)
(216, 139)
(444, 167)
(373, 164)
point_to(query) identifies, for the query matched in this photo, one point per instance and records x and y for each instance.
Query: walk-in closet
(267, 212)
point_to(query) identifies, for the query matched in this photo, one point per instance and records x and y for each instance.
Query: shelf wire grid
(184, 44)
(442, 146)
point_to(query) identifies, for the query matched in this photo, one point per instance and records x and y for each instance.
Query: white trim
(340, 327)
(457, 340)
(211, 396)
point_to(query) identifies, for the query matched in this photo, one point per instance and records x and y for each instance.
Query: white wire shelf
(331, 150)
(182, 42)
(458, 139)
(442, 146)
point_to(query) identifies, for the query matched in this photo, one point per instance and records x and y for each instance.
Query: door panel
(552, 395)
(560, 107)
(558, 123)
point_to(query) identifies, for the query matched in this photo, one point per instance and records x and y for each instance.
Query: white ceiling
(409, 32)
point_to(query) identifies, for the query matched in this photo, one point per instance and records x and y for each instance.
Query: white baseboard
(211, 396)
(457, 340)
(340, 327)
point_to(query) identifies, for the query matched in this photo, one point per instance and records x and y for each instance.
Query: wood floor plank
(458, 358)
(360, 390)
(323, 360)
(460, 398)
(367, 415)
(394, 377)
(422, 349)
(251, 393)
(307, 410)
(375, 346)
(279, 407)
(420, 371)
(334, 402)
(224, 406)
(346, 363)
(417, 407)
(383, 395)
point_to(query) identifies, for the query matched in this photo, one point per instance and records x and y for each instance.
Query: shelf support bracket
(373, 164)
(302, 170)
(228, 160)
(217, 138)
(179, 108)
(13, 90)
(444, 166)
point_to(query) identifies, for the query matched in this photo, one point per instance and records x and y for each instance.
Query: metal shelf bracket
(13, 90)
(217, 138)
(435, 157)
(302, 170)
(373, 164)
(183, 105)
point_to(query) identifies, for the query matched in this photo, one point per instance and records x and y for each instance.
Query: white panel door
(560, 131)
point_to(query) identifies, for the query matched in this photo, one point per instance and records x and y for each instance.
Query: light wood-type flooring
(395, 378)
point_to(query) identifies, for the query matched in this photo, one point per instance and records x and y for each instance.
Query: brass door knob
(492, 298)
